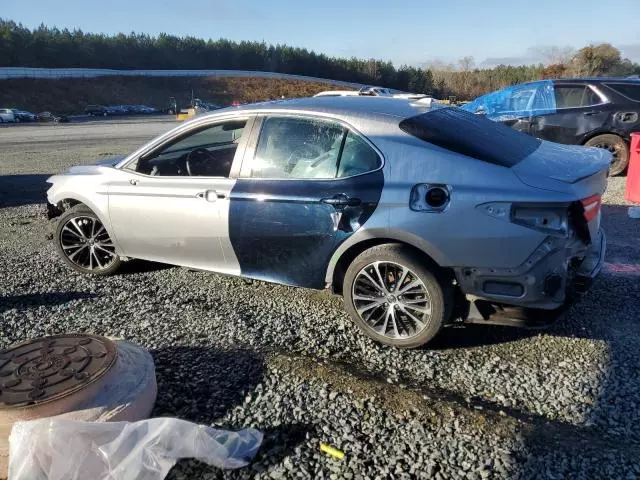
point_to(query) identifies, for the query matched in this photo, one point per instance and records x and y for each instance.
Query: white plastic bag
(52, 449)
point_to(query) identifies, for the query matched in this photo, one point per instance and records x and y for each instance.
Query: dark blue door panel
(285, 231)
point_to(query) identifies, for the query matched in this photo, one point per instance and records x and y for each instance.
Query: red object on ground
(632, 192)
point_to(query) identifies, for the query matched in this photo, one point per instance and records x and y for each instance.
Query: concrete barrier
(58, 73)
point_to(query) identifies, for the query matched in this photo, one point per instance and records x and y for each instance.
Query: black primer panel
(471, 135)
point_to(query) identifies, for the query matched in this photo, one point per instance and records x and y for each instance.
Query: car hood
(551, 165)
(110, 162)
(97, 168)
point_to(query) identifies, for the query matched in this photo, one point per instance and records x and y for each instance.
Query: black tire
(108, 264)
(618, 148)
(439, 295)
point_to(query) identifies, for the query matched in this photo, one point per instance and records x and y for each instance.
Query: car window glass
(629, 90)
(590, 98)
(357, 157)
(205, 152)
(574, 96)
(293, 147)
(521, 99)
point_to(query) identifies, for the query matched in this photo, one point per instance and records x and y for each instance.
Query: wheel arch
(597, 133)
(64, 202)
(343, 257)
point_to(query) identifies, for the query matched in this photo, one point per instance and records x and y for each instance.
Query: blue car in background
(596, 112)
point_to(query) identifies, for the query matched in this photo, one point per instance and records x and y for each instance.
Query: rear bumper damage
(539, 291)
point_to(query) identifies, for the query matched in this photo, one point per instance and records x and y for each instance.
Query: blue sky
(403, 31)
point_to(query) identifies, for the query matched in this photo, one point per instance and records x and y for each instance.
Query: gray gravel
(481, 402)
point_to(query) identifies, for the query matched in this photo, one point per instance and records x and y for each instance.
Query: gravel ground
(481, 402)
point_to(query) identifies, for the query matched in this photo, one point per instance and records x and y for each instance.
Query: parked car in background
(96, 110)
(598, 112)
(338, 93)
(375, 92)
(418, 217)
(7, 115)
(23, 116)
(50, 117)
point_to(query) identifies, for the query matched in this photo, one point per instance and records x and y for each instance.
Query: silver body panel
(163, 219)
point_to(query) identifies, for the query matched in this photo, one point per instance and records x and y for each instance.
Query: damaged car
(595, 112)
(420, 218)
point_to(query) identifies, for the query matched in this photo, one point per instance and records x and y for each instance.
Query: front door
(172, 203)
(307, 187)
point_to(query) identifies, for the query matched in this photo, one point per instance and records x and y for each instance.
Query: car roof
(598, 80)
(397, 108)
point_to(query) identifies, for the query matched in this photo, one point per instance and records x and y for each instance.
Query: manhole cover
(49, 368)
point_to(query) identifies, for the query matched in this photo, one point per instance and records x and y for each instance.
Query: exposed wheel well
(347, 257)
(62, 206)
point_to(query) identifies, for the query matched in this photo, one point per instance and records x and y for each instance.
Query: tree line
(62, 48)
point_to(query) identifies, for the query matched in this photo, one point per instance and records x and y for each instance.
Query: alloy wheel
(392, 300)
(86, 243)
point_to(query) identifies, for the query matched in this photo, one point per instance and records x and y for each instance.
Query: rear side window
(629, 90)
(471, 135)
(309, 148)
(575, 96)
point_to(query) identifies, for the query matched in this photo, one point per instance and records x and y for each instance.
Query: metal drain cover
(46, 369)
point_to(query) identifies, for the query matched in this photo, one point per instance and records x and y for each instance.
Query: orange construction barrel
(632, 192)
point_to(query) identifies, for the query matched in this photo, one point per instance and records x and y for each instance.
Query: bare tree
(466, 64)
(556, 55)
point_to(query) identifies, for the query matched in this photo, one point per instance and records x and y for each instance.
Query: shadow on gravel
(141, 266)
(31, 300)
(202, 384)
(468, 336)
(18, 190)
(607, 444)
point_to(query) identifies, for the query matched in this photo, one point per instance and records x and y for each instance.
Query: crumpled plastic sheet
(517, 101)
(51, 449)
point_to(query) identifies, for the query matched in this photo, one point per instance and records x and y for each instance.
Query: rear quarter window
(629, 90)
(471, 135)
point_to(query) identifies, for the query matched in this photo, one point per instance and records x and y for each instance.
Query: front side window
(306, 148)
(206, 152)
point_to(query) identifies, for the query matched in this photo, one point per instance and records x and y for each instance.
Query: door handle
(591, 112)
(342, 200)
(211, 195)
(133, 181)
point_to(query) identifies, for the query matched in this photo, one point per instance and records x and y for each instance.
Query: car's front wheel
(618, 149)
(84, 243)
(394, 298)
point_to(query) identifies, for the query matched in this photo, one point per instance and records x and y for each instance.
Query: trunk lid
(579, 172)
(560, 168)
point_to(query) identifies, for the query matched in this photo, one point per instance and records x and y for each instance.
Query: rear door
(579, 110)
(171, 204)
(308, 185)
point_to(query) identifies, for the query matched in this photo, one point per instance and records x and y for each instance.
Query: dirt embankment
(72, 95)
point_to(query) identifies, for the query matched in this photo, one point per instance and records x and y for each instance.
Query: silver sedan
(419, 218)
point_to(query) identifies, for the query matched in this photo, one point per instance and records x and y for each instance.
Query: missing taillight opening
(591, 207)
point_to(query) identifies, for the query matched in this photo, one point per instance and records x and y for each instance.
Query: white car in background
(6, 115)
(338, 93)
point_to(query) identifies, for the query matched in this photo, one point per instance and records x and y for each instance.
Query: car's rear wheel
(84, 243)
(618, 149)
(394, 298)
